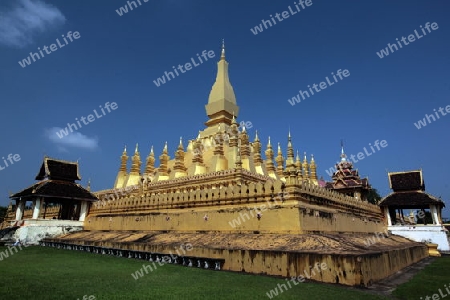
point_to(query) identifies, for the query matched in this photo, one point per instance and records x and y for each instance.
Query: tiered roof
(57, 181)
(345, 177)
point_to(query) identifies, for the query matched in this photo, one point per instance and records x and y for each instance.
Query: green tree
(373, 196)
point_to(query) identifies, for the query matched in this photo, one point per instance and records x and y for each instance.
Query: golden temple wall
(291, 209)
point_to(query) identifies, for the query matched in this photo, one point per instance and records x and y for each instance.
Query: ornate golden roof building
(239, 212)
(222, 146)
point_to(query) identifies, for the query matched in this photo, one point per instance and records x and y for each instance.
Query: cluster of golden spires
(222, 145)
(238, 152)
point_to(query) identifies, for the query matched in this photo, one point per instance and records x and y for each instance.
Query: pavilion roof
(410, 199)
(56, 189)
(58, 170)
(406, 181)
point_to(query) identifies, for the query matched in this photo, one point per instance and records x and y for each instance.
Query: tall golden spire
(245, 145)
(257, 150)
(122, 174)
(136, 162)
(305, 168)
(150, 163)
(290, 163)
(269, 158)
(234, 133)
(280, 162)
(163, 159)
(298, 164)
(124, 159)
(222, 100)
(179, 168)
(313, 168)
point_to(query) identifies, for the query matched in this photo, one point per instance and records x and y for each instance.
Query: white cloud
(74, 139)
(25, 19)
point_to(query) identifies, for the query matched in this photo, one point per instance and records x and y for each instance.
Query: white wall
(419, 233)
(35, 230)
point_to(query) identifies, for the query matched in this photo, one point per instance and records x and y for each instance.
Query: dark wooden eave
(56, 189)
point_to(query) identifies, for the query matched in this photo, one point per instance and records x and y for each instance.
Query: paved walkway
(386, 286)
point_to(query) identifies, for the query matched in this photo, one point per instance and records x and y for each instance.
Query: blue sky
(116, 58)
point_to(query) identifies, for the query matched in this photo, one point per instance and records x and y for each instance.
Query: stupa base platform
(349, 259)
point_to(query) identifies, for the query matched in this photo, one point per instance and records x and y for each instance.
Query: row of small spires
(291, 163)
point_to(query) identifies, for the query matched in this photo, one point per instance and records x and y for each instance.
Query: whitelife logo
(124, 9)
(423, 123)
(90, 118)
(284, 15)
(27, 61)
(411, 38)
(11, 157)
(187, 67)
(323, 85)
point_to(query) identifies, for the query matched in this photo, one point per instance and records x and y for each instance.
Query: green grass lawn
(427, 282)
(48, 273)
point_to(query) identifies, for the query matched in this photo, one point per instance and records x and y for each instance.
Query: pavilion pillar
(20, 209)
(83, 210)
(388, 216)
(37, 208)
(434, 215)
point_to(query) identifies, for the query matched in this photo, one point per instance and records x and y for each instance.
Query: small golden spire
(150, 164)
(124, 159)
(305, 167)
(280, 161)
(233, 120)
(313, 170)
(298, 164)
(257, 150)
(269, 158)
(136, 161)
(163, 159)
(290, 157)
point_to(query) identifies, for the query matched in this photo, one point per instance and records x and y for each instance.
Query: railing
(188, 196)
